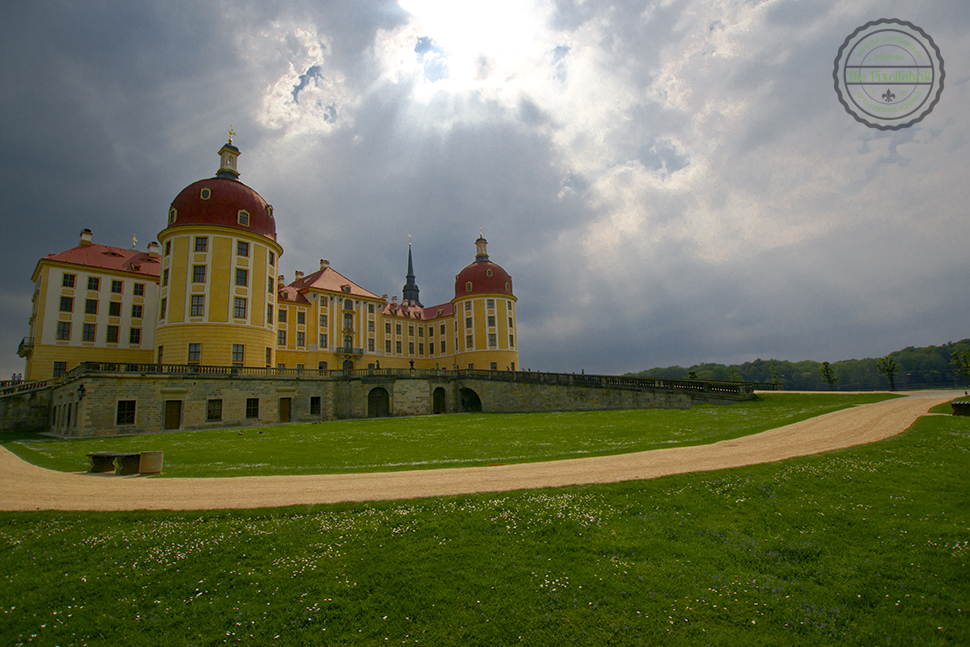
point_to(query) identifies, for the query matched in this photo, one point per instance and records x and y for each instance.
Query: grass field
(389, 444)
(864, 546)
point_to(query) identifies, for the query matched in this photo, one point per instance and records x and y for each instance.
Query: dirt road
(26, 487)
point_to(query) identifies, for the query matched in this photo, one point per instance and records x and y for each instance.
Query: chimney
(280, 282)
(153, 249)
(86, 237)
(324, 263)
(394, 300)
(298, 275)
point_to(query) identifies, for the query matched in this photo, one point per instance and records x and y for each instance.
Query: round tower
(487, 334)
(217, 290)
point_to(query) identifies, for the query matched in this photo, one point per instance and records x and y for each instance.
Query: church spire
(410, 293)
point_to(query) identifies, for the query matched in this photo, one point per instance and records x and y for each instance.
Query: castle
(210, 292)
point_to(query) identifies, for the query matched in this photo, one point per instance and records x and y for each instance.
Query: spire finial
(232, 133)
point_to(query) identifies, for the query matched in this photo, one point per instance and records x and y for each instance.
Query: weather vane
(231, 133)
(134, 242)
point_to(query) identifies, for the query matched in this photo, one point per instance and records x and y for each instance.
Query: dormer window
(172, 215)
(243, 218)
(206, 193)
(488, 272)
(269, 210)
(468, 286)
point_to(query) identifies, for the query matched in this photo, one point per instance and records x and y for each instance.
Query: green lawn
(864, 546)
(390, 444)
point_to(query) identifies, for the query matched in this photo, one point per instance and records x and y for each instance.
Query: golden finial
(134, 242)
(232, 133)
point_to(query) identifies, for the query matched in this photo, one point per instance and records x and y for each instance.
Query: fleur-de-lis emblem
(888, 96)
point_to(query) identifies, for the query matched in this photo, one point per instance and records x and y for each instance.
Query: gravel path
(26, 487)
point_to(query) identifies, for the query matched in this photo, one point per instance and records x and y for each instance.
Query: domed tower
(485, 315)
(217, 290)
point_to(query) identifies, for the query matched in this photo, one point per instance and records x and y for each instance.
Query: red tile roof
(104, 257)
(331, 280)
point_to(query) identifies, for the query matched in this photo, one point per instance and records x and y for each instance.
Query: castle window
(114, 309)
(195, 353)
(205, 194)
(323, 323)
(134, 336)
(511, 341)
(370, 326)
(323, 341)
(172, 216)
(420, 349)
(444, 348)
(242, 248)
(94, 283)
(198, 273)
(117, 287)
(301, 318)
(370, 345)
(269, 314)
(136, 311)
(442, 329)
(239, 308)
(300, 339)
(165, 277)
(198, 305)
(168, 248)
(387, 328)
(272, 258)
(488, 272)
(431, 348)
(282, 316)
(468, 305)
(242, 277)
(111, 336)
(67, 304)
(138, 289)
(507, 288)
(63, 330)
(410, 348)
(387, 346)
(269, 210)
(161, 308)
(397, 345)
(213, 409)
(492, 340)
(370, 308)
(87, 332)
(269, 356)
(238, 353)
(510, 322)
(201, 244)
(252, 408)
(491, 321)
(60, 368)
(468, 322)
(468, 342)
(490, 304)
(468, 286)
(67, 281)
(126, 412)
(410, 331)
(315, 405)
(397, 328)
(243, 218)
(281, 338)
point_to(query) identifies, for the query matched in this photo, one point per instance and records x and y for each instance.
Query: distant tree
(888, 367)
(733, 375)
(828, 376)
(691, 375)
(774, 374)
(961, 365)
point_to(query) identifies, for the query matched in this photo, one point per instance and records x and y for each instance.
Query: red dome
(485, 277)
(219, 201)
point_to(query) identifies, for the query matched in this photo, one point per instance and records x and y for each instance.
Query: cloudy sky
(667, 181)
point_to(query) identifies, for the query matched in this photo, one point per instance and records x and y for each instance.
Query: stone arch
(378, 403)
(470, 402)
(438, 401)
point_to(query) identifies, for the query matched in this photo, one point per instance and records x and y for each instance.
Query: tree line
(927, 367)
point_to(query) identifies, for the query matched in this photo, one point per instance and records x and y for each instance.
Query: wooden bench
(127, 462)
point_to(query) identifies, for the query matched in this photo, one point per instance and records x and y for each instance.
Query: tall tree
(888, 367)
(828, 376)
(961, 365)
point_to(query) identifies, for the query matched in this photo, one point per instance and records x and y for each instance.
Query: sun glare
(470, 41)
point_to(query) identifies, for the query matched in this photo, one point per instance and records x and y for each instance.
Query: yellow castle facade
(210, 292)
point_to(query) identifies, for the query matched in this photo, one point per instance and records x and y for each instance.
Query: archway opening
(378, 403)
(470, 402)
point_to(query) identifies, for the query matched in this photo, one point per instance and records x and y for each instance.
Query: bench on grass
(127, 462)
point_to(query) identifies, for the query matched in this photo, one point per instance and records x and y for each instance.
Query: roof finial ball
(231, 133)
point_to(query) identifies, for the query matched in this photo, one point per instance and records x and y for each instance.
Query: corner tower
(217, 293)
(485, 315)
